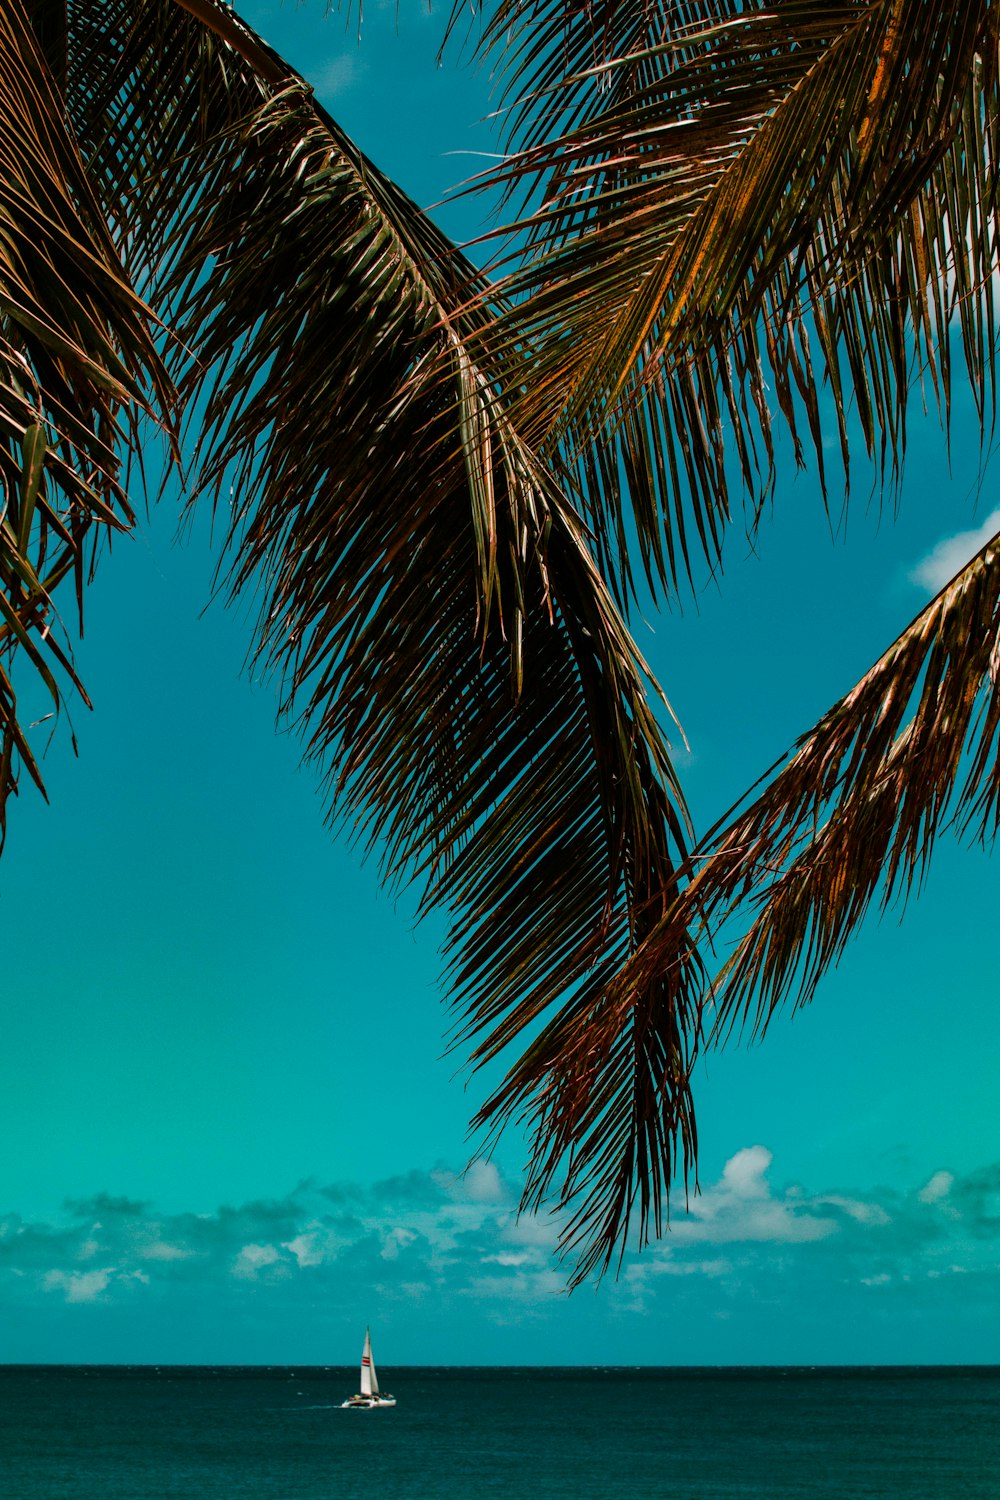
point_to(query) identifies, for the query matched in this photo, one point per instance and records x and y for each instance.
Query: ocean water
(75, 1433)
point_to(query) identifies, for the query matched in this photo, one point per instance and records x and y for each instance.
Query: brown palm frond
(728, 201)
(447, 646)
(76, 358)
(853, 815)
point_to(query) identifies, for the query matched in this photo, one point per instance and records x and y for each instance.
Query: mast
(369, 1385)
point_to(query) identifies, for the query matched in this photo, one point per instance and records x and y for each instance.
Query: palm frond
(853, 815)
(447, 647)
(728, 200)
(76, 354)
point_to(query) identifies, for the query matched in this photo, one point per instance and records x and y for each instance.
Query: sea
(171, 1433)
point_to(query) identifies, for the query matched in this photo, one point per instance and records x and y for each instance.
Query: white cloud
(306, 1249)
(541, 1231)
(952, 553)
(160, 1250)
(78, 1286)
(396, 1240)
(937, 1188)
(254, 1258)
(741, 1207)
(743, 1174)
(483, 1183)
(509, 1258)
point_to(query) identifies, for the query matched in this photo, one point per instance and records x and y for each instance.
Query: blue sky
(229, 1129)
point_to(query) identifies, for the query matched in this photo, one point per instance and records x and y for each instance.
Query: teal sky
(229, 1130)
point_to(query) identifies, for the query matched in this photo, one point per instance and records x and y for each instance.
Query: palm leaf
(75, 352)
(852, 815)
(446, 644)
(725, 199)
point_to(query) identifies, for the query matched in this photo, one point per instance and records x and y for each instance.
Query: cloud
(483, 1183)
(422, 1228)
(160, 1250)
(975, 1200)
(743, 1174)
(952, 553)
(78, 1286)
(307, 1249)
(255, 1258)
(788, 1248)
(939, 1187)
(451, 1250)
(741, 1207)
(863, 1213)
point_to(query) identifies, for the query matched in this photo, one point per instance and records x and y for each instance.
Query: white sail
(369, 1385)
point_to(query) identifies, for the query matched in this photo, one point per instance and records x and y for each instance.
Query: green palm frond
(426, 593)
(736, 205)
(76, 354)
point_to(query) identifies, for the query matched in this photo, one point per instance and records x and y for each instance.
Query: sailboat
(369, 1395)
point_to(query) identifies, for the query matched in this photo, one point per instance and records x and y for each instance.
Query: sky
(231, 1130)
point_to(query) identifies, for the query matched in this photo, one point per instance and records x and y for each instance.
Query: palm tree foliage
(723, 199)
(458, 667)
(443, 487)
(77, 362)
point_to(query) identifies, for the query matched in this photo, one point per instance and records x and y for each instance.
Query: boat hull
(366, 1403)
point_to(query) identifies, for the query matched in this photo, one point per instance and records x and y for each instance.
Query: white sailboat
(369, 1395)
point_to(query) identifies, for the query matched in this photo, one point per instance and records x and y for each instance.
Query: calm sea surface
(529, 1434)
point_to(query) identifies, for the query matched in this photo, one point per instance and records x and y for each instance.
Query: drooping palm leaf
(733, 198)
(446, 644)
(854, 812)
(75, 349)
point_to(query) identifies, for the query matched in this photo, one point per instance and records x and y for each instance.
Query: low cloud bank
(451, 1250)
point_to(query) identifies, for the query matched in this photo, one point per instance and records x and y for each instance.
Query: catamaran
(369, 1395)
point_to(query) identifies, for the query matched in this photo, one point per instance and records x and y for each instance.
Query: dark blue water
(590, 1434)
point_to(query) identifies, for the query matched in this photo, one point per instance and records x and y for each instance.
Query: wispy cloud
(952, 553)
(338, 75)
